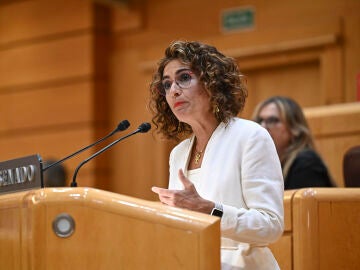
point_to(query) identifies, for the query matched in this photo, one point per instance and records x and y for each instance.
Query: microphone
(123, 125)
(143, 128)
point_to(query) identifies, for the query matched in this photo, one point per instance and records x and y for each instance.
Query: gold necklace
(198, 156)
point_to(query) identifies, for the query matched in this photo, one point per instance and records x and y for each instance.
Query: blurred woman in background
(301, 164)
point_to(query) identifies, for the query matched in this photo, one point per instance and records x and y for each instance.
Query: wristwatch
(217, 210)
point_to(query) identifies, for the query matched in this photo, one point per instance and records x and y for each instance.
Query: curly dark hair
(218, 73)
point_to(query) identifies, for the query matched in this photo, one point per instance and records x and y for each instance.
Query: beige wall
(83, 66)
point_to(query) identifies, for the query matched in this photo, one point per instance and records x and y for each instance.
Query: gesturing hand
(187, 198)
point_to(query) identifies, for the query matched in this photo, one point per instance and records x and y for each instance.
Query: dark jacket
(307, 170)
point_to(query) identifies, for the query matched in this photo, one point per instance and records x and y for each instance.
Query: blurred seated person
(301, 164)
(54, 176)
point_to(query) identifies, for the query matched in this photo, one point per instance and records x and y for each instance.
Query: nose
(174, 89)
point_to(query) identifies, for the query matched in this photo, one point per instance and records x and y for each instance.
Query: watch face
(216, 212)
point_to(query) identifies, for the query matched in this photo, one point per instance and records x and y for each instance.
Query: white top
(193, 176)
(241, 170)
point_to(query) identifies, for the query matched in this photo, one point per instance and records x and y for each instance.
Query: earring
(216, 111)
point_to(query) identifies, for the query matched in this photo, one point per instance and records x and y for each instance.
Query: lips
(179, 103)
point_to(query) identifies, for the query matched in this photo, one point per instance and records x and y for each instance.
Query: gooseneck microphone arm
(143, 128)
(123, 125)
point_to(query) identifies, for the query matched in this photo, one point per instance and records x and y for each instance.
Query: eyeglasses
(182, 80)
(270, 122)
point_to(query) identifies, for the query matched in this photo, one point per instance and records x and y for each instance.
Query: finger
(155, 189)
(159, 189)
(186, 182)
(162, 191)
(163, 199)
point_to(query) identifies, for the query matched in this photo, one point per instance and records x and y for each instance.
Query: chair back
(351, 167)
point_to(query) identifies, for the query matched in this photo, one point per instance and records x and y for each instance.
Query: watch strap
(217, 210)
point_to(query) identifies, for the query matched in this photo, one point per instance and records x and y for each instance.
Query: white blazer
(241, 170)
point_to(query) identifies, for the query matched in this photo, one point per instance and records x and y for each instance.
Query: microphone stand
(142, 128)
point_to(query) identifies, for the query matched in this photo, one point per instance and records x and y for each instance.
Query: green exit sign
(238, 19)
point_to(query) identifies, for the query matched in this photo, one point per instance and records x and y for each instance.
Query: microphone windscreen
(144, 127)
(123, 125)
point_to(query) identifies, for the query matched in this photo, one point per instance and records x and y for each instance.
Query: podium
(103, 230)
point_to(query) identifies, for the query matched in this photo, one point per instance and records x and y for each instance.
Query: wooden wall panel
(56, 144)
(302, 81)
(47, 61)
(351, 54)
(333, 149)
(52, 66)
(334, 119)
(268, 38)
(333, 70)
(130, 17)
(29, 20)
(139, 162)
(60, 105)
(336, 128)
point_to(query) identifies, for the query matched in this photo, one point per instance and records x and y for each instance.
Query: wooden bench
(322, 229)
(336, 128)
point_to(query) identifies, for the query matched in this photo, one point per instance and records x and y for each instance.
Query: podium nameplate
(21, 174)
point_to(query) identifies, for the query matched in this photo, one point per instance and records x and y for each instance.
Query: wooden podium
(111, 231)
